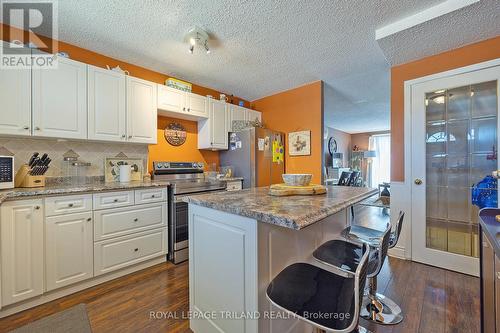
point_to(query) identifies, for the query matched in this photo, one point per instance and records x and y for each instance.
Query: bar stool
(328, 301)
(376, 306)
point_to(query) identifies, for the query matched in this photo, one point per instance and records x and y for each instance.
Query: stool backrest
(344, 178)
(397, 232)
(353, 178)
(382, 251)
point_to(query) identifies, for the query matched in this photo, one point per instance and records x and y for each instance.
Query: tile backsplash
(93, 152)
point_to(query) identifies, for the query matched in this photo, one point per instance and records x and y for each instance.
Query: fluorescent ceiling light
(428, 14)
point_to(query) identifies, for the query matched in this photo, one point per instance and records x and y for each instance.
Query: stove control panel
(172, 166)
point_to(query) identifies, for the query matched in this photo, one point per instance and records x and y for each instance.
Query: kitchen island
(239, 241)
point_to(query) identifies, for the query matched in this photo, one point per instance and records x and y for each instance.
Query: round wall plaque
(175, 134)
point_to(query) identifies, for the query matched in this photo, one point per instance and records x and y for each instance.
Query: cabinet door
(196, 105)
(171, 99)
(253, 115)
(68, 249)
(60, 100)
(15, 101)
(488, 281)
(106, 105)
(21, 250)
(218, 122)
(141, 110)
(236, 113)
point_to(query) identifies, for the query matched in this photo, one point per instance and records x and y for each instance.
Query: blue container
(485, 193)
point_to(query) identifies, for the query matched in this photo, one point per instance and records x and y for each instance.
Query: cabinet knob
(130, 136)
(152, 196)
(116, 200)
(26, 127)
(70, 205)
(136, 219)
(124, 136)
(183, 109)
(37, 207)
(189, 109)
(89, 219)
(37, 128)
(136, 249)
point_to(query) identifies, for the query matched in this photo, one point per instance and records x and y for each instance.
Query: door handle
(418, 181)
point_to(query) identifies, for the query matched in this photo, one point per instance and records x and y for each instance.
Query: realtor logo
(30, 34)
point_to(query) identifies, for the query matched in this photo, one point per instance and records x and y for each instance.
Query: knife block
(24, 179)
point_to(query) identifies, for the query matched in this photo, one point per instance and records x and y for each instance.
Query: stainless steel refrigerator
(251, 156)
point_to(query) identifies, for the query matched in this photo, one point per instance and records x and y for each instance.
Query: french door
(454, 146)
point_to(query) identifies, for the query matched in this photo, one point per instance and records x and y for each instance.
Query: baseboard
(398, 252)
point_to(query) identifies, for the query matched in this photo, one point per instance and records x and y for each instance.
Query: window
(380, 166)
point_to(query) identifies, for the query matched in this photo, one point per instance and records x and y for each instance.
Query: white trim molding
(426, 15)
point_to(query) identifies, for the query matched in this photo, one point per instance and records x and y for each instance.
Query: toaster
(6, 172)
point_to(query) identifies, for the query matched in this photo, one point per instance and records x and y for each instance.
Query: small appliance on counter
(33, 173)
(185, 178)
(6, 172)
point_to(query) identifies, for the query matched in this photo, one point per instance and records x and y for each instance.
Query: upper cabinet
(240, 113)
(253, 115)
(106, 105)
(141, 110)
(180, 104)
(213, 132)
(60, 100)
(15, 94)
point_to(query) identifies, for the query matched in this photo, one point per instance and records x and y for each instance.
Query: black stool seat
(320, 297)
(344, 255)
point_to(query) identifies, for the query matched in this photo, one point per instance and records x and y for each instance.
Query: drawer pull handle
(37, 207)
(70, 205)
(89, 219)
(136, 219)
(136, 249)
(116, 200)
(152, 196)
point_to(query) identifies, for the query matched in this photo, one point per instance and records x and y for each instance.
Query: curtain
(380, 166)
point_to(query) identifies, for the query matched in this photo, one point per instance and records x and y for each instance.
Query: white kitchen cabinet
(236, 113)
(60, 100)
(22, 255)
(68, 249)
(180, 104)
(15, 101)
(106, 105)
(141, 110)
(253, 115)
(213, 132)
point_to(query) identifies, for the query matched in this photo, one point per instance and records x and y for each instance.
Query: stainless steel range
(186, 178)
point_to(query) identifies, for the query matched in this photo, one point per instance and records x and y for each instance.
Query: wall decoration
(332, 146)
(175, 134)
(299, 143)
(112, 167)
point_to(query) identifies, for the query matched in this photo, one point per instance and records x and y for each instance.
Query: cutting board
(285, 190)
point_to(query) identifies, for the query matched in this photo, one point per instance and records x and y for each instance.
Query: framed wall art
(299, 143)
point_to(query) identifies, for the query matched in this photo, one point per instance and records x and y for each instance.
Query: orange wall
(297, 109)
(464, 56)
(163, 150)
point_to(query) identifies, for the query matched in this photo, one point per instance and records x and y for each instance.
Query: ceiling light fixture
(196, 36)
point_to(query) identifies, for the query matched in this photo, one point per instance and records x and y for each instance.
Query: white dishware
(297, 179)
(125, 173)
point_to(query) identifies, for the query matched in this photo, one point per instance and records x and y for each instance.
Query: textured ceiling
(259, 47)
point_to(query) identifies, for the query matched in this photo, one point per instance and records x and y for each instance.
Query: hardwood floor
(433, 300)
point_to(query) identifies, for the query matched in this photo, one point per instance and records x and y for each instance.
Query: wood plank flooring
(433, 300)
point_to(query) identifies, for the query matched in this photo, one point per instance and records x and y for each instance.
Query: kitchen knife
(32, 159)
(42, 159)
(45, 166)
(34, 165)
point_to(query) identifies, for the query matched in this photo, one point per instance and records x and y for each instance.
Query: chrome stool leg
(379, 308)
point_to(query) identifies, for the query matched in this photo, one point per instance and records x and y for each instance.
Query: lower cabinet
(497, 293)
(116, 253)
(68, 249)
(21, 250)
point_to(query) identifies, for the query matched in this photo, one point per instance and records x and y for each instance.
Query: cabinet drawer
(68, 204)
(121, 252)
(150, 195)
(113, 199)
(116, 222)
(234, 186)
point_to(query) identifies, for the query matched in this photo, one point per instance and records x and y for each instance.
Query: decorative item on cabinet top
(179, 84)
(118, 70)
(175, 134)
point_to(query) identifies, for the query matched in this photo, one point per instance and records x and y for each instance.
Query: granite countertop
(20, 193)
(294, 212)
(491, 227)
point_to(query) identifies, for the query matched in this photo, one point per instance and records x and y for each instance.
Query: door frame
(406, 185)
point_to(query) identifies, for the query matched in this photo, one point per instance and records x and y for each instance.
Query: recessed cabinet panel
(68, 249)
(218, 117)
(106, 101)
(196, 105)
(236, 113)
(141, 110)
(171, 99)
(253, 115)
(60, 100)
(15, 97)
(22, 254)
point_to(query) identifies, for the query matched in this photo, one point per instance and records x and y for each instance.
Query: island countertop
(490, 227)
(294, 212)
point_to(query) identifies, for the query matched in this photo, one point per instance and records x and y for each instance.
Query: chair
(344, 178)
(376, 306)
(305, 291)
(353, 178)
